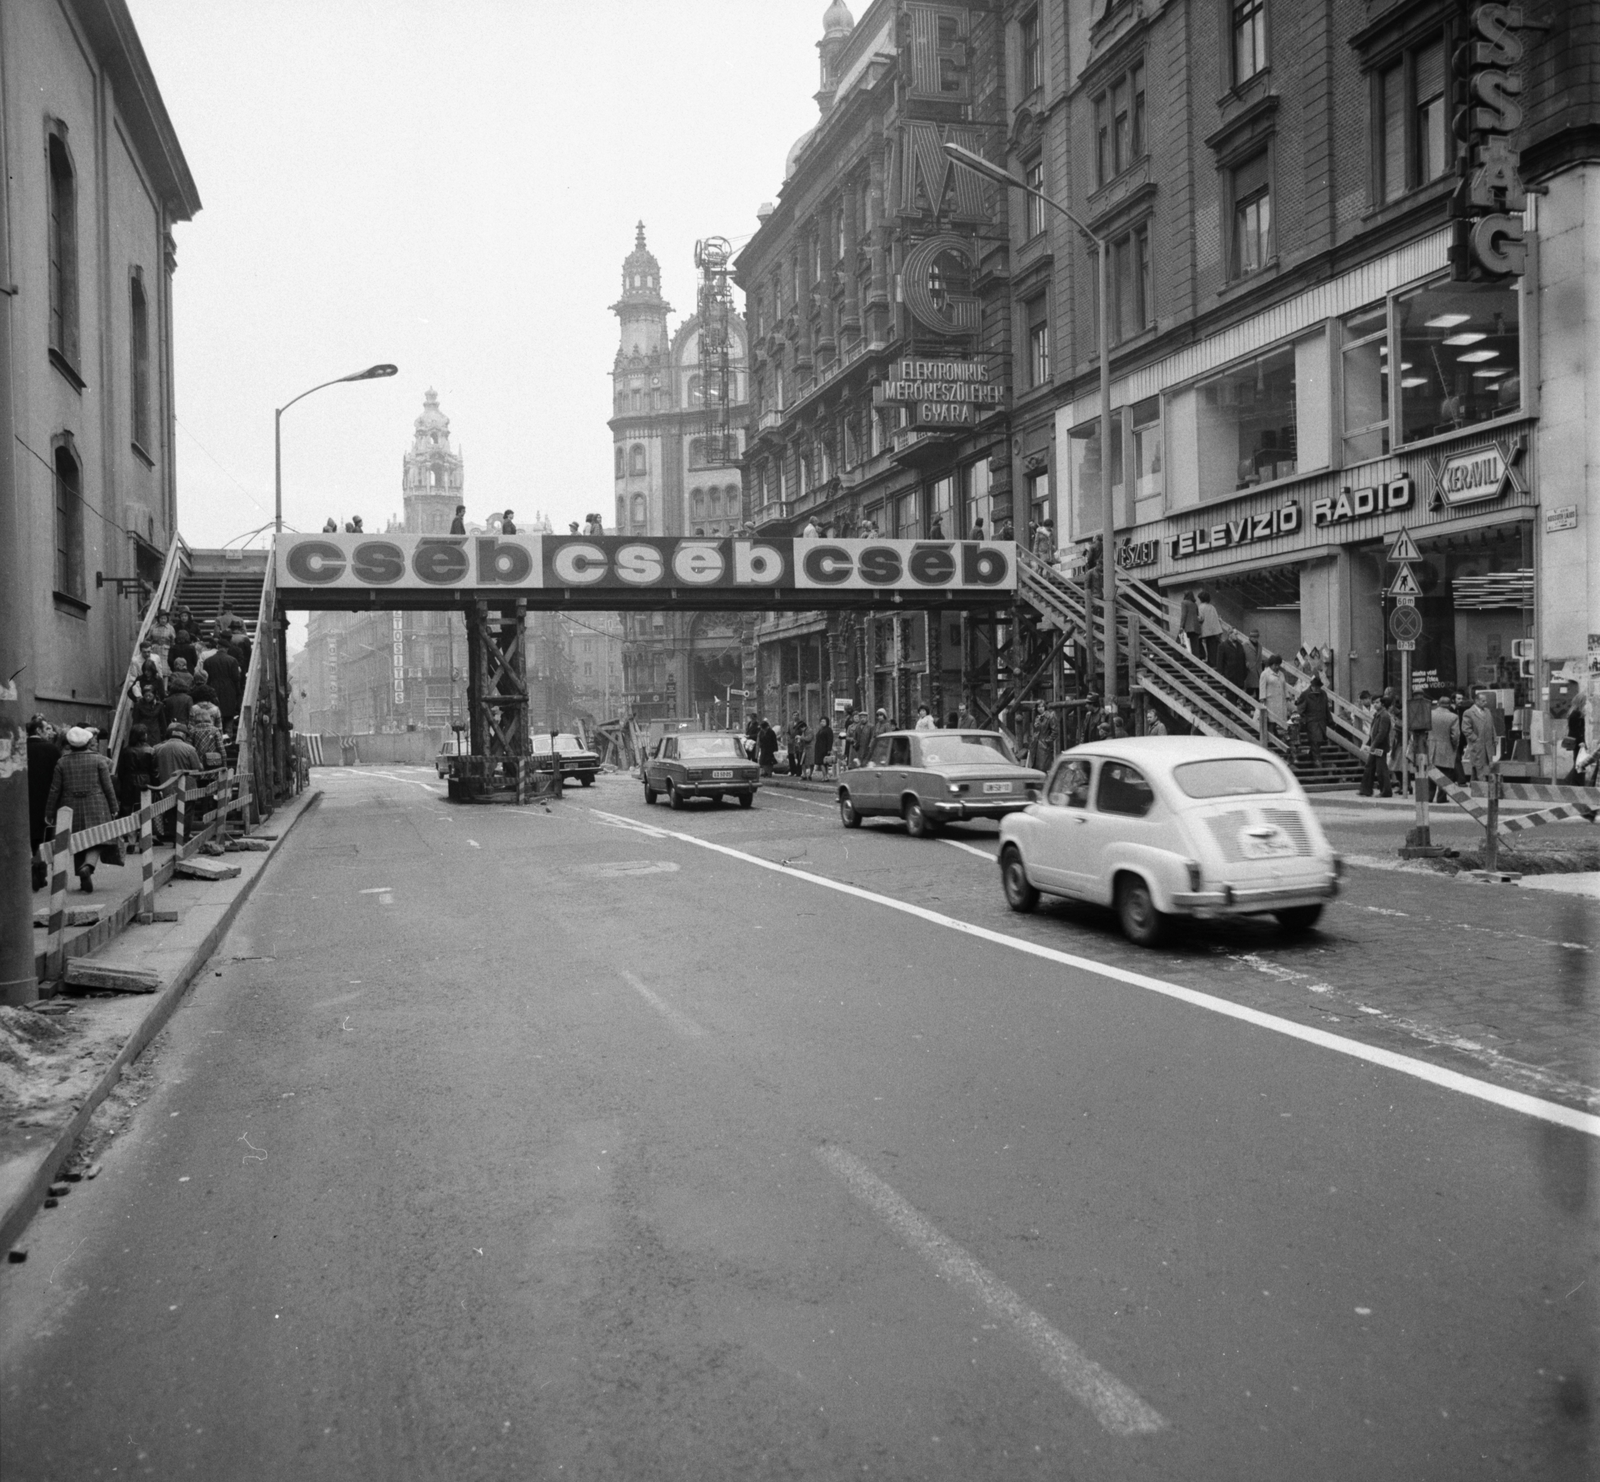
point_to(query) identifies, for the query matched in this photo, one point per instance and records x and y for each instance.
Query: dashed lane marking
(391, 777)
(970, 848)
(680, 1021)
(1435, 1075)
(1117, 1408)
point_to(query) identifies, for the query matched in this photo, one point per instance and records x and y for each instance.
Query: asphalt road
(524, 1144)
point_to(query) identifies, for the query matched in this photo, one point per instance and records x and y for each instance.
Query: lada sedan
(1159, 827)
(577, 762)
(934, 777)
(700, 764)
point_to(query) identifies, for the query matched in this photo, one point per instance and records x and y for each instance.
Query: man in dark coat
(170, 757)
(146, 709)
(1315, 709)
(1380, 737)
(175, 707)
(136, 769)
(83, 783)
(767, 748)
(226, 679)
(821, 748)
(1235, 662)
(458, 526)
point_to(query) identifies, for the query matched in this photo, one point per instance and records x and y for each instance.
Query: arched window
(638, 400)
(622, 512)
(139, 358)
(694, 390)
(619, 460)
(63, 247)
(638, 512)
(697, 504)
(69, 520)
(697, 452)
(636, 459)
(732, 500)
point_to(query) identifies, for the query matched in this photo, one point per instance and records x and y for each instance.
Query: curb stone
(34, 1187)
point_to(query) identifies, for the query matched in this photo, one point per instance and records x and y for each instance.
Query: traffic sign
(1405, 600)
(1406, 645)
(1404, 547)
(1405, 583)
(1406, 625)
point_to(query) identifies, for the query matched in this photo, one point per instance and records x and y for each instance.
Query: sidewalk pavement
(104, 1034)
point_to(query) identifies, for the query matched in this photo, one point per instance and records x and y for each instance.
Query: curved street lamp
(1001, 176)
(371, 373)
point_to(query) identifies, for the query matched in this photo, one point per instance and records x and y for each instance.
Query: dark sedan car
(934, 777)
(700, 765)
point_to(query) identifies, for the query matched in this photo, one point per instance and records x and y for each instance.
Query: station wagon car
(702, 764)
(577, 761)
(1160, 827)
(450, 747)
(934, 777)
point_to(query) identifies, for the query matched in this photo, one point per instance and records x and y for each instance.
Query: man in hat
(1314, 708)
(83, 783)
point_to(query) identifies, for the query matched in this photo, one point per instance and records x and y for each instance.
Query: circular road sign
(1406, 624)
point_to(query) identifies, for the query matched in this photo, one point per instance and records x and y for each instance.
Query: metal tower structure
(713, 257)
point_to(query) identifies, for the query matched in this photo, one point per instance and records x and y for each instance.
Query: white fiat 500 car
(1165, 826)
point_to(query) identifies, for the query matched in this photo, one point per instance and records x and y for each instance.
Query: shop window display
(1246, 424)
(1366, 384)
(1147, 448)
(1460, 357)
(1086, 473)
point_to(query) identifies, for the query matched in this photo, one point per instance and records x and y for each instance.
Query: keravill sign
(612, 571)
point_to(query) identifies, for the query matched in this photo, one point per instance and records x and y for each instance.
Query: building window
(638, 513)
(907, 516)
(1413, 142)
(1249, 39)
(619, 462)
(1132, 310)
(1038, 343)
(1033, 173)
(63, 249)
(139, 359)
(1146, 422)
(977, 503)
(1460, 357)
(1366, 384)
(638, 400)
(1245, 419)
(1038, 492)
(1252, 216)
(697, 452)
(942, 506)
(1088, 494)
(636, 462)
(1032, 71)
(1119, 125)
(697, 505)
(69, 522)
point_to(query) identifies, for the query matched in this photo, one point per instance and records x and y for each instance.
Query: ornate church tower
(641, 386)
(433, 475)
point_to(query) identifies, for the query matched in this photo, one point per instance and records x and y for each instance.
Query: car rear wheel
(1297, 919)
(1020, 895)
(649, 793)
(585, 779)
(746, 799)
(674, 797)
(918, 824)
(849, 815)
(1141, 923)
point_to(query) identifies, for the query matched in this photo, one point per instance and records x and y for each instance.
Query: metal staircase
(1184, 683)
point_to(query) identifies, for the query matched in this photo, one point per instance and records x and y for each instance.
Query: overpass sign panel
(332, 570)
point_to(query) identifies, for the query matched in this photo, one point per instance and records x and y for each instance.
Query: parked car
(576, 760)
(934, 777)
(701, 764)
(1159, 827)
(449, 747)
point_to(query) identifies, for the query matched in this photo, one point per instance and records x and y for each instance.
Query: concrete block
(248, 846)
(73, 916)
(206, 869)
(109, 977)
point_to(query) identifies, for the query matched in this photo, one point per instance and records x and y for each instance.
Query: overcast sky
(451, 186)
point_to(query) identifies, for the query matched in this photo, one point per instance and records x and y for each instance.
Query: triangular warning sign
(1404, 583)
(1404, 548)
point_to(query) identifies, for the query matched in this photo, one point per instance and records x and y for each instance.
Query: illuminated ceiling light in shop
(1410, 381)
(1472, 357)
(1466, 337)
(1496, 372)
(1446, 321)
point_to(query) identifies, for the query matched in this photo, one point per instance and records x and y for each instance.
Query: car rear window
(698, 746)
(565, 742)
(963, 751)
(1229, 777)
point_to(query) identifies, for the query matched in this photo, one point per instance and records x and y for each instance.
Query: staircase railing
(1166, 666)
(171, 573)
(255, 739)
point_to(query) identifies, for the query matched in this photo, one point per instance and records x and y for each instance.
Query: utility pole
(18, 985)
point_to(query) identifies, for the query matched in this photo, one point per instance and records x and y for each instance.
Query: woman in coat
(83, 783)
(767, 748)
(821, 748)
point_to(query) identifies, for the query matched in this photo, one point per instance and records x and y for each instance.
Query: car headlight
(1194, 874)
(955, 787)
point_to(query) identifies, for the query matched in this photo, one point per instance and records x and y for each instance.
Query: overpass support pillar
(497, 687)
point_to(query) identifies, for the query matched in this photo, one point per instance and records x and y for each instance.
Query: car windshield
(1229, 777)
(964, 751)
(539, 745)
(699, 746)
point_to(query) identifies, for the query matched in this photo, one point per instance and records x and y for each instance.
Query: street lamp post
(371, 373)
(991, 171)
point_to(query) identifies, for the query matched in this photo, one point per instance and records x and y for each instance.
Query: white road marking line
(676, 1017)
(1435, 1075)
(971, 849)
(810, 802)
(389, 776)
(475, 844)
(1117, 1408)
(616, 820)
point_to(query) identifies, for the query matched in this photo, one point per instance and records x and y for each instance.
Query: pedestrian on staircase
(225, 677)
(83, 783)
(184, 649)
(1273, 692)
(1235, 668)
(1314, 711)
(1210, 629)
(1189, 624)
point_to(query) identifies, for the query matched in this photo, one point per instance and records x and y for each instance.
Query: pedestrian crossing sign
(1404, 548)
(1405, 583)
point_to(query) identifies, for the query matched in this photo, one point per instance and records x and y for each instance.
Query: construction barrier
(1569, 802)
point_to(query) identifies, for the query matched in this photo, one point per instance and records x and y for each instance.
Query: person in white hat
(83, 783)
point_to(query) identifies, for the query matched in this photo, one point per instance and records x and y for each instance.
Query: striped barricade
(1587, 799)
(60, 854)
(1464, 798)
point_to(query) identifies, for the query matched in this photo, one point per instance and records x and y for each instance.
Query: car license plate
(997, 787)
(717, 776)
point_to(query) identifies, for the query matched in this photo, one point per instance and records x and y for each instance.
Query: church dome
(795, 151)
(641, 273)
(837, 20)
(432, 425)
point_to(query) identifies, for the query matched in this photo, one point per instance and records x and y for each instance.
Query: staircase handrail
(160, 600)
(260, 657)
